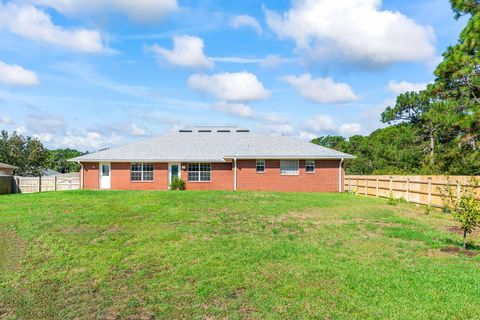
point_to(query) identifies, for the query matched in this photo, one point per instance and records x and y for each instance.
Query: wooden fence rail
(425, 190)
(47, 183)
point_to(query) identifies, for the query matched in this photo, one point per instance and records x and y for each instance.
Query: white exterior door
(104, 175)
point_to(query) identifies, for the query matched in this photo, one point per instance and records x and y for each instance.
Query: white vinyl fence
(70, 181)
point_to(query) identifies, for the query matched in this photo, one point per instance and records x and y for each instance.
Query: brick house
(216, 158)
(7, 169)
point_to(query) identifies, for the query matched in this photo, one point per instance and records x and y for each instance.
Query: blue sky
(93, 74)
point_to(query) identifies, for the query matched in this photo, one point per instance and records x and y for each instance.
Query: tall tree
(58, 160)
(26, 153)
(458, 75)
(418, 110)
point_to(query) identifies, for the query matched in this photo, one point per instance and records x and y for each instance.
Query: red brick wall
(221, 177)
(90, 175)
(324, 179)
(120, 177)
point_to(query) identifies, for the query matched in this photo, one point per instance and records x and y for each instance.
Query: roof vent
(243, 130)
(184, 130)
(204, 130)
(223, 130)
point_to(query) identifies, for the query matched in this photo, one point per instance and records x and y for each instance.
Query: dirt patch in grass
(455, 229)
(459, 250)
(12, 250)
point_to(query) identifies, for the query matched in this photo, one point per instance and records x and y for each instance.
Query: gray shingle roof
(211, 144)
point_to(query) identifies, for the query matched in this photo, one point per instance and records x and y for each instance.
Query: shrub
(464, 207)
(177, 184)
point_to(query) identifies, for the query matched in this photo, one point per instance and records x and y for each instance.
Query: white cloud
(31, 23)
(276, 129)
(241, 60)
(246, 21)
(321, 90)
(359, 30)
(273, 60)
(44, 137)
(6, 120)
(273, 117)
(21, 130)
(324, 125)
(237, 109)
(239, 86)
(138, 10)
(136, 131)
(187, 52)
(404, 86)
(82, 141)
(269, 61)
(319, 124)
(349, 129)
(44, 123)
(17, 75)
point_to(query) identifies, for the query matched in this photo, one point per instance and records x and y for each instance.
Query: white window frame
(142, 171)
(200, 171)
(260, 165)
(287, 167)
(307, 165)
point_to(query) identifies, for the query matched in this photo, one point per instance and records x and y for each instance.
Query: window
(141, 172)
(260, 167)
(105, 170)
(289, 167)
(310, 166)
(199, 172)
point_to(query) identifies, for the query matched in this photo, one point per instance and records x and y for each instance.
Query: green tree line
(32, 158)
(434, 131)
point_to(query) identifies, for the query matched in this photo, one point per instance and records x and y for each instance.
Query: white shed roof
(213, 144)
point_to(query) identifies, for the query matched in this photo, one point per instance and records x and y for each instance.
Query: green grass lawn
(217, 255)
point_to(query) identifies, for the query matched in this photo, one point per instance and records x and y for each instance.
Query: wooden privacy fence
(6, 182)
(425, 190)
(47, 183)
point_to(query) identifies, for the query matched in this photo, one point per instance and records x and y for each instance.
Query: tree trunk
(464, 239)
(432, 145)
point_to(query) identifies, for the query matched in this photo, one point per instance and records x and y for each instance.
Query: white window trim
(198, 181)
(142, 172)
(290, 174)
(256, 165)
(314, 166)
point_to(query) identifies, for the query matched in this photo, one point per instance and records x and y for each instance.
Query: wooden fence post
(349, 185)
(55, 183)
(390, 187)
(408, 189)
(39, 184)
(376, 192)
(429, 191)
(459, 189)
(366, 186)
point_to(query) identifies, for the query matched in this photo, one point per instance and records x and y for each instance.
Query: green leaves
(409, 107)
(26, 153)
(464, 206)
(58, 160)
